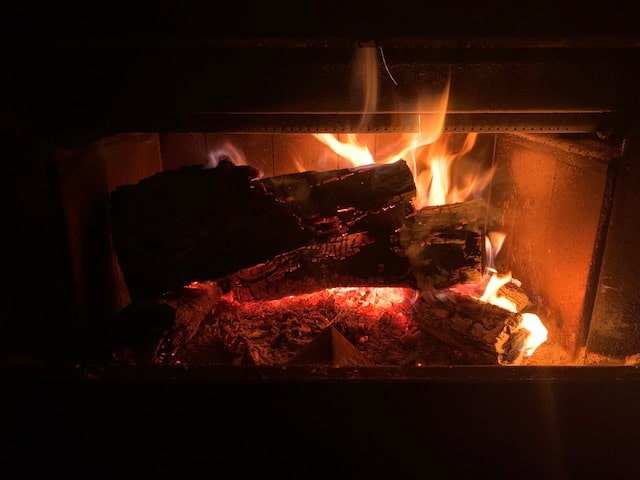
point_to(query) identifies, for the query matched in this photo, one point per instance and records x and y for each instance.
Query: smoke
(228, 152)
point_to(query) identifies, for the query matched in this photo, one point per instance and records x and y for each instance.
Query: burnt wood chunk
(479, 332)
(197, 224)
(445, 244)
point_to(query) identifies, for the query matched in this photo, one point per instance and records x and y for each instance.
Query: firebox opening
(545, 197)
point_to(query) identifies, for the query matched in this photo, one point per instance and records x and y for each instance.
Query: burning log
(478, 332)
(436, 248)
(289, 234)
(356, 259)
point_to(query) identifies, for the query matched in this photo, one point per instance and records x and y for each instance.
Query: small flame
(493, 243)
(364, 81)
(529, 321)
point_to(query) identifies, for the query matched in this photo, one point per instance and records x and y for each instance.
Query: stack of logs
(260, 239)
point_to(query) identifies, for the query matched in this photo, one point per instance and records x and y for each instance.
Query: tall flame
(429, 153)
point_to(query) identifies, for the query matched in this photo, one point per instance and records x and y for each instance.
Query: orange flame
(430, 162)
(351, 150)
(433, 174)
(537, 332)
(431, 166)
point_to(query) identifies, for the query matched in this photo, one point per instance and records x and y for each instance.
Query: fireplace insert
(222, 211)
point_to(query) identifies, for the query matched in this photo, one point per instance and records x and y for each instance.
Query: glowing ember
(381, 298)
(374, 301)
(378, 321)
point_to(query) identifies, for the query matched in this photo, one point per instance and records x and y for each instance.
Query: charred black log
(196, 224)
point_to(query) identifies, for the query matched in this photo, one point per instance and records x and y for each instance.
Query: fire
(493, 243)
(537, 332)
(429, 152)
(431, 161)
(431, 157)
(440, 176)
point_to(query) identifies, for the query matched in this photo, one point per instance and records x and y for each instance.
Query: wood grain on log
(477, 330)
(445, 244)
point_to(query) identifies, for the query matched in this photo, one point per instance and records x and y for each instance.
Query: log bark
(195, 224)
